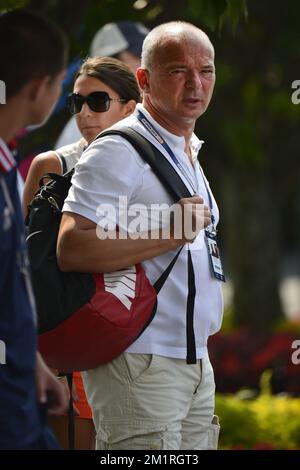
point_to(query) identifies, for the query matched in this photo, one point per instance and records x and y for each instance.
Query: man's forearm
(83, 251)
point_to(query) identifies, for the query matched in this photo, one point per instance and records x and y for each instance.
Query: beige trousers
(144, 401)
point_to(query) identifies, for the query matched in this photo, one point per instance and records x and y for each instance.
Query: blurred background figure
(122, 40)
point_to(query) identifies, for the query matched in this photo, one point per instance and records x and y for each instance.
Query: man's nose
(194, 80)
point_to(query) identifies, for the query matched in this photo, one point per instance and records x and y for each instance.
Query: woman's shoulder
(47, 161)
(71, 153)
(76, 148)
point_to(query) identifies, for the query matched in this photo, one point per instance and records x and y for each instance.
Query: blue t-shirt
(20, 417)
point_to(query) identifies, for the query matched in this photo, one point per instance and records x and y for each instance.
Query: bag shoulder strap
(62, 161)
(64, 164)
(157, 161)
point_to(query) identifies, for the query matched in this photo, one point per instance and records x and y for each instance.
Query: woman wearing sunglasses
(105, 91)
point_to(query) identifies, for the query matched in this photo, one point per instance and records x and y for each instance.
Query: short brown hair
(31, 46)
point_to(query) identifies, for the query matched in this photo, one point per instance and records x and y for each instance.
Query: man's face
(46, 97)
(182, 79)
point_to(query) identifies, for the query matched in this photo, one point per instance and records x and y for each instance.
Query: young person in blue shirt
(33, 54)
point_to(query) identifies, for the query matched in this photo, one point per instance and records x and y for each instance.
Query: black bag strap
(191, 356)
(170, 179)
(63, 162)
(165, 172)
(162, 279)
(71, 418)
(71, 414)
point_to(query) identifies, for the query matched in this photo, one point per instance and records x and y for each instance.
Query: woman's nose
(85, 110)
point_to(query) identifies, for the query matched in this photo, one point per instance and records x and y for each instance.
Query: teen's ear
(37, 87)
(142, 76)
(129, 107)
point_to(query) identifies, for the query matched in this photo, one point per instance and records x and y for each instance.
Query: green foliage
(214, 14)
(241, 137)
(11, 4)
(265, 422)
(228, 320)
(235, 10)
(288, 326)
(238, 422)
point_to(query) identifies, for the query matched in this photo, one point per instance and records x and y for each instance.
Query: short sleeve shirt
(111, 169)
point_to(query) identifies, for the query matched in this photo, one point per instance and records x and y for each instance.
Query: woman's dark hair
(31, 46)
(114, 74)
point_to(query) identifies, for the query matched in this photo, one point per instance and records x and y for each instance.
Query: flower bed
(240, 357)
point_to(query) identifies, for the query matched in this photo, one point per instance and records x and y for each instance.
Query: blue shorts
(46, 441)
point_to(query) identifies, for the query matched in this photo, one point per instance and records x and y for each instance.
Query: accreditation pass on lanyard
(214, 255)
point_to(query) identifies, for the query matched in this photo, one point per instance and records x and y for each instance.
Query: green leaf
(12, 4)
(214, 13)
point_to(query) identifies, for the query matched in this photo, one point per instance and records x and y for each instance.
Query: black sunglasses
(98, 101)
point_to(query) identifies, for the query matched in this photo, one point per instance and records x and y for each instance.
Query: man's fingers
(192, 200)
(195, 215)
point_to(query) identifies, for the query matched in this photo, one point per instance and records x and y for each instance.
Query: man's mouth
(193, 100)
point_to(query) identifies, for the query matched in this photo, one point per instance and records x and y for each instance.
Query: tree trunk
(252, 227)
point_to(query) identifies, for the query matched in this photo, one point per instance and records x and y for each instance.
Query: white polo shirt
(110, 168)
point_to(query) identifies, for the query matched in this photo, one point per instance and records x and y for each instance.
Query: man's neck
(182, 129)
(11, 121)
(6, 132)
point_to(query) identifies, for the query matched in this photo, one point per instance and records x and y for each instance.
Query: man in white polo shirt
(154, 396)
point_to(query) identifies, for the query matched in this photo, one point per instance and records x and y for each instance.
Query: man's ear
(143, 79)
(129, 107)
(37, 87)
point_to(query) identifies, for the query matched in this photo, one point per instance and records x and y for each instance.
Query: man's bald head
(169, 33)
